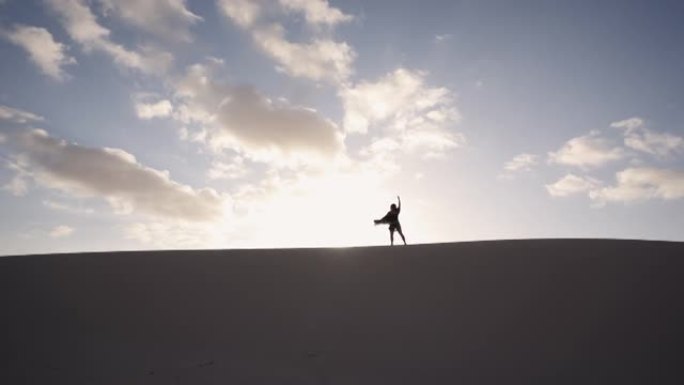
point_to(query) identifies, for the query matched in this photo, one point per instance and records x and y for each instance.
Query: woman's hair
(393, 206)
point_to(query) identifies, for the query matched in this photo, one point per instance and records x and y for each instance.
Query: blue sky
(285, 123)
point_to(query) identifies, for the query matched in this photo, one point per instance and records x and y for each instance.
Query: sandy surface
(509, 312)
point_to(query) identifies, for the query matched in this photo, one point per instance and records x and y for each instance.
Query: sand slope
(523, 312)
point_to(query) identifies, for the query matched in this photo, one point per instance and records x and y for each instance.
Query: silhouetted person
(392, 218)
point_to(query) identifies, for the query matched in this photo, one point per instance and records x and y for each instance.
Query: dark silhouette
(392, 218)
(544, 311)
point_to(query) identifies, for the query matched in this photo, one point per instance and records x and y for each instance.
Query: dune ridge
(563, 311)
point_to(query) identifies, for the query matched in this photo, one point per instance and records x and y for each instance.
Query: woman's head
(393, 207)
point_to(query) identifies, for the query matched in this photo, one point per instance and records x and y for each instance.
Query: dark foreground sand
(509, 312)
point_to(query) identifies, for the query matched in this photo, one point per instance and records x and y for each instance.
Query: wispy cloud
(587, 151)
(572, 184)
(168, 19)
(521, 162)
(320, 58)
(638, 137)
(17, 115)
(47, 54)
(443, 37)
(317, 12)
(82, 26)
(232, 169)
(61, 231)
(642, 183)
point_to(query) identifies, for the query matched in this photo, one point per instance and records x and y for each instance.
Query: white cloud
(82, 26)
(112, 174)
(168, 19)
(316, 12)
(409, 116)
(400, 98)
(586, 151)
(160, 109)
(233, 169)
(629, 124)
(643, 183)
(654, 143)
(18, 116)
(47, 54)
(640, 138)
(243, 12)
(241, 119)
(61, 231)
(521, 162)
(572, 184)
(443, 37)
(321, 59)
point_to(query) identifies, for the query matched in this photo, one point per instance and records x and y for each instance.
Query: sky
(187, 124)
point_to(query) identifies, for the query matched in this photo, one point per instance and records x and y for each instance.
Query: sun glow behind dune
(329, 210)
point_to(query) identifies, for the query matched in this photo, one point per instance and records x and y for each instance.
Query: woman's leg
(401, 233)
(402, 236)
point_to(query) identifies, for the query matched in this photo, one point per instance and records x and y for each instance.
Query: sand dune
(523, 312)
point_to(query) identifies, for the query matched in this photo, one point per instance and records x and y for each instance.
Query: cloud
(240, 118)
(643, 183)
(570, 185)
(61, 231)
(234, 169)
(168, 19)
(18, 116)
(112, 174)
(246, 13)
(521, 162)
(629, 124)
(82, 26)
(408, 115)
(316, 12)
(243, 12)
(47, 54)
(18, 186)
(319, 59)
(586, 151)
(160, 109)
(400, 98)
(443, 37)
(659, 144)
(640, 138)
